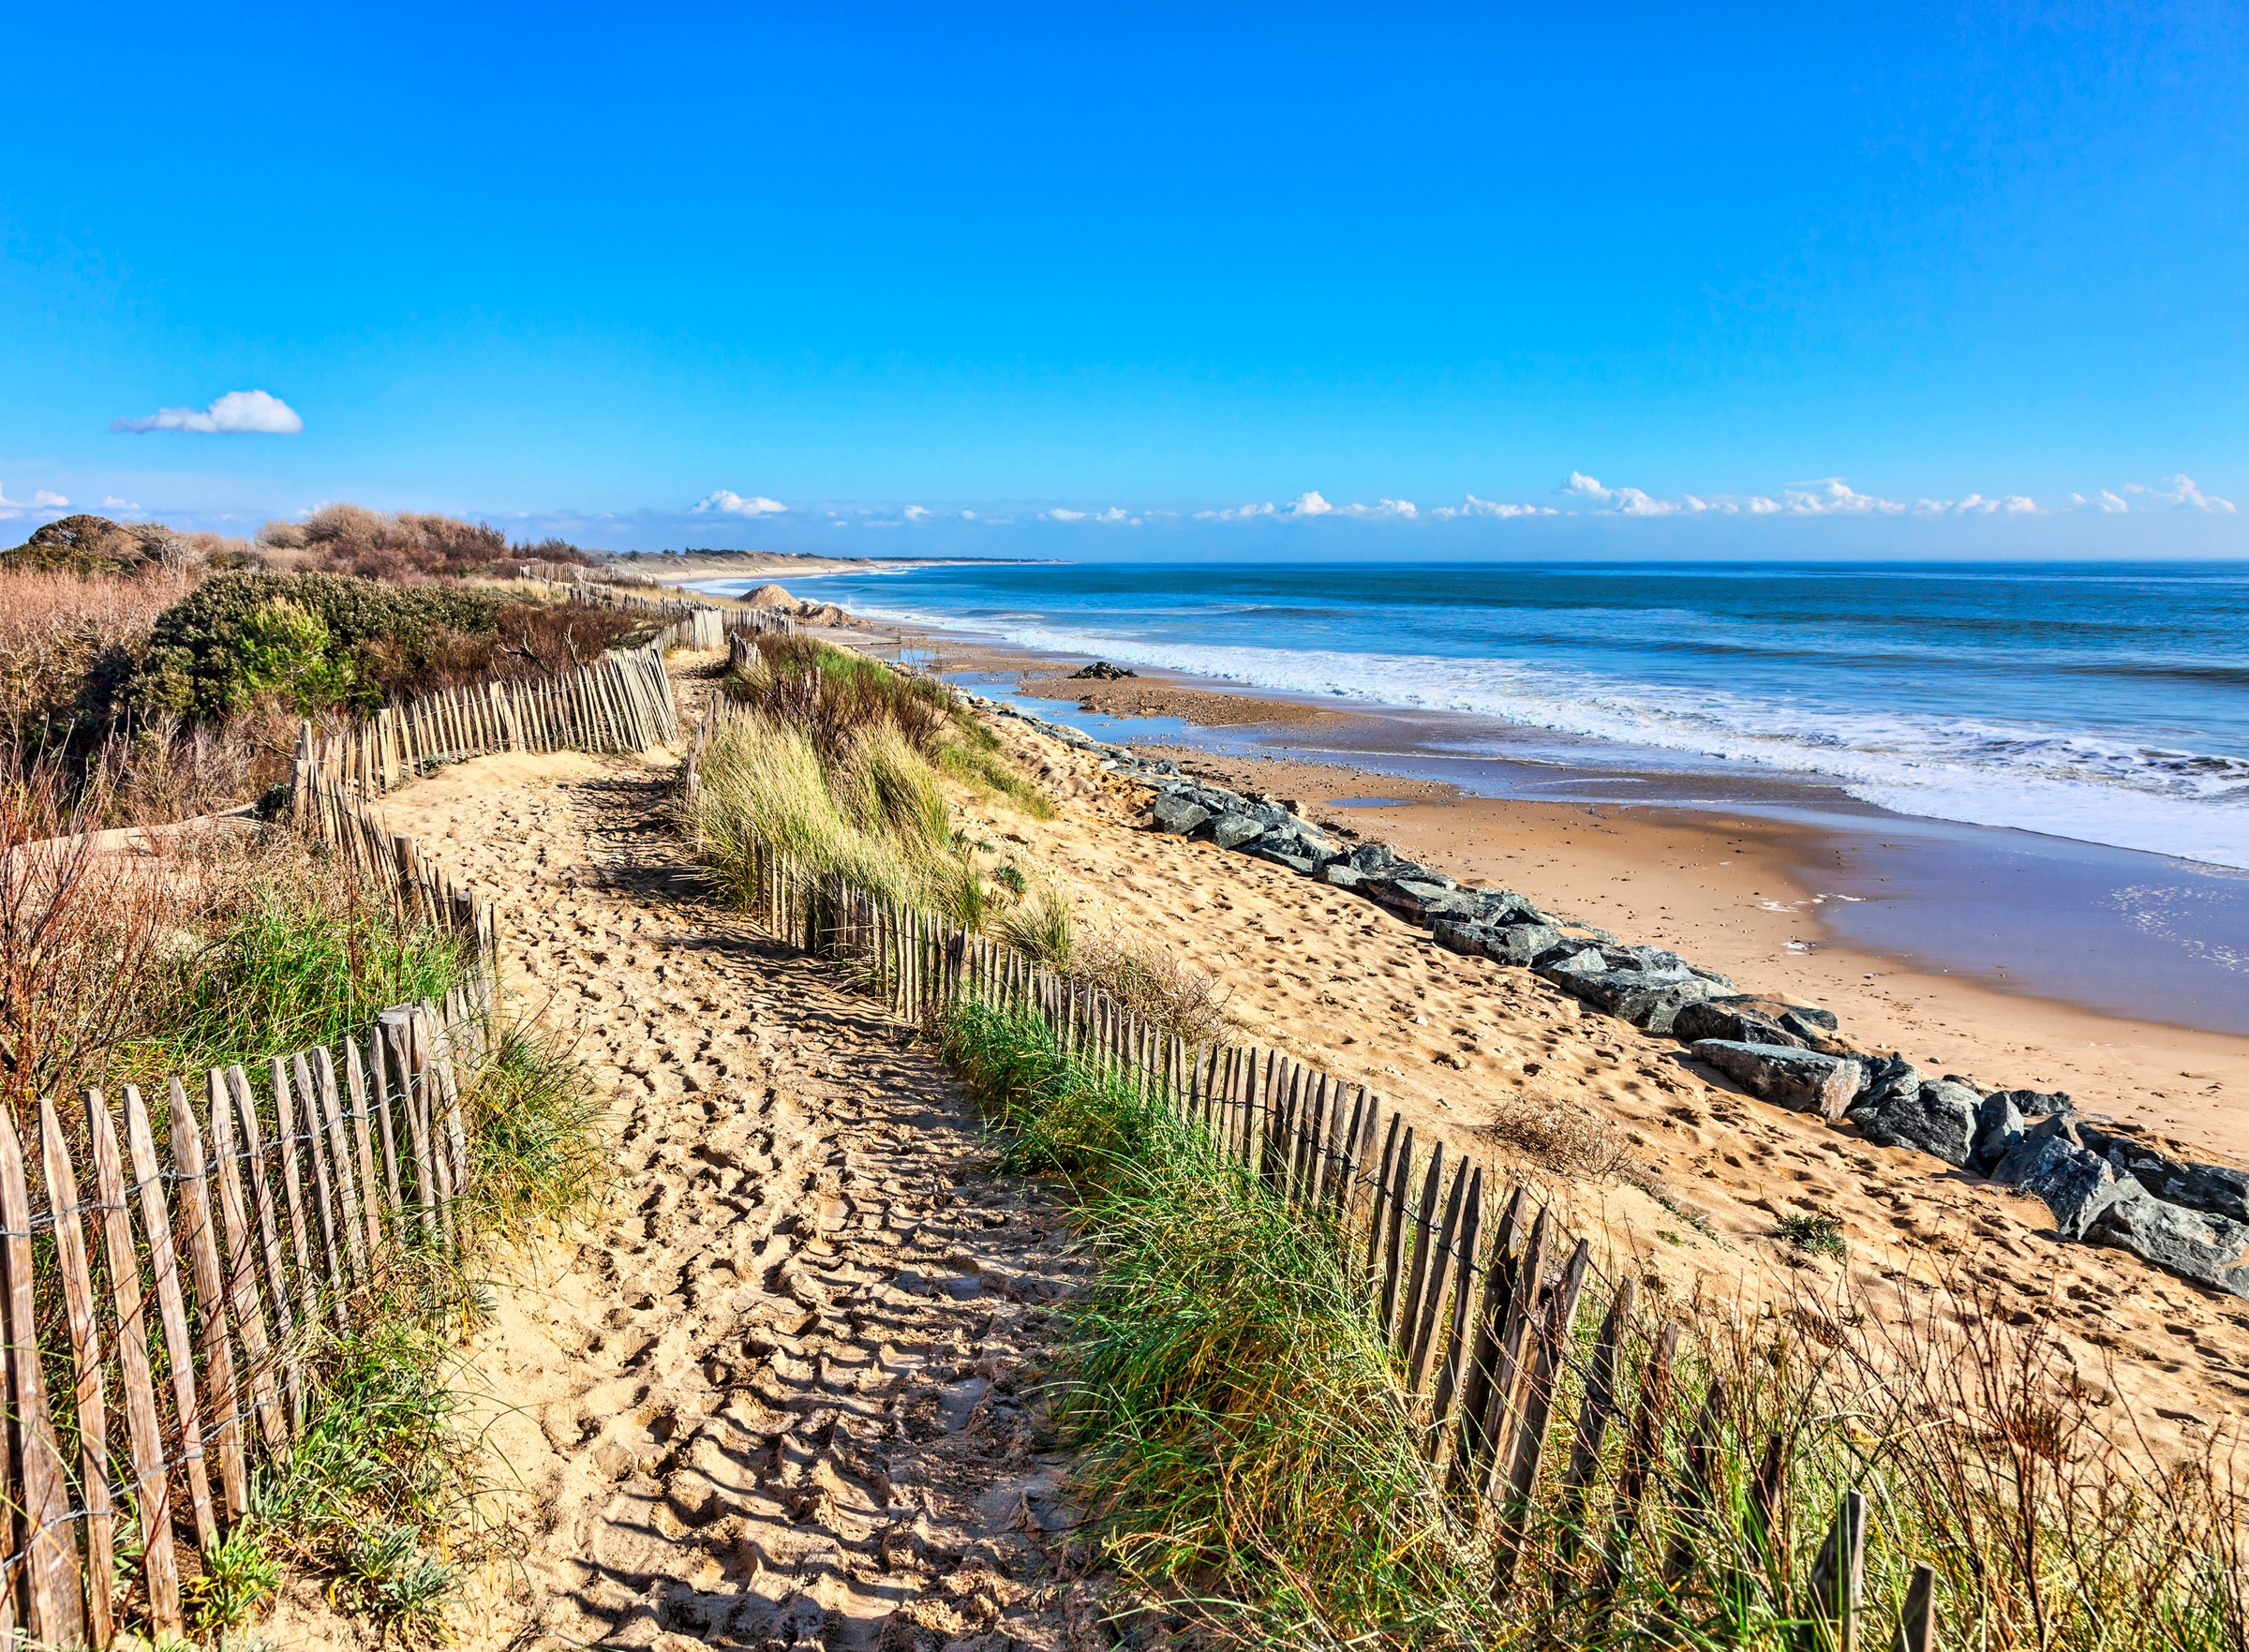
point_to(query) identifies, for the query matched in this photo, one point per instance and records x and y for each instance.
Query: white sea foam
(1985, 771)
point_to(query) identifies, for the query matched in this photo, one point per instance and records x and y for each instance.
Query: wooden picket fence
(1478, 1294)
(688, 624)
(621, 702)
(175, 1270)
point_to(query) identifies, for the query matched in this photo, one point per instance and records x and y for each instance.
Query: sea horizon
(2092, 701)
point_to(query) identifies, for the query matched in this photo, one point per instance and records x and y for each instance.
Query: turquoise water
(2107, 703)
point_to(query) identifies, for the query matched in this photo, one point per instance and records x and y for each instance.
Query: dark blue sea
(2107, 703)
(2034, 774)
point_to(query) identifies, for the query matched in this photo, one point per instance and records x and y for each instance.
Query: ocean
(2103, 703)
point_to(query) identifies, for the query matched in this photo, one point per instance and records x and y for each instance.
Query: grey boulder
(2036, 1104)
(1643, 997)
(2217, 1190)
(1521, 944)
(1233, 830)
(1716, 1018)
(2205, 1248)
(1803, 1080)
(1937, 1116)
(1504, 906)
(1179, 813)
(1998, 1128)
(2075, 1183)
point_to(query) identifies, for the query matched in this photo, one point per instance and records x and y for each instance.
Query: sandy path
(775, 1396)
(1463, 1046)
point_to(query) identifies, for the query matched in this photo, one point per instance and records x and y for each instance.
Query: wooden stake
(210, 1298)
(242, 1268)
(49, 1547)
(179, 1350)
(144, 1433)
(85, 1353)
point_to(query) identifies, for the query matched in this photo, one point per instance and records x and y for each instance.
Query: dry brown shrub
(530, 640)
(404, 546)
(165, 768)
(1159, 987)
(79, 926)
(1561, 1137)
(57, 628)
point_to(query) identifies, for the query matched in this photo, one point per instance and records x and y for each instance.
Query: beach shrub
(317, 640)
(836, 697)
(211, 654)
(873, 814)
(386, 545)
(838, 763)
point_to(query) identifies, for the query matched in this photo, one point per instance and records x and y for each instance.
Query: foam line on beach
(1982, 772)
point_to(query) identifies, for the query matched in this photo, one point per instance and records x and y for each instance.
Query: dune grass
(838, 763)
(1257, 1472)
(282, 953)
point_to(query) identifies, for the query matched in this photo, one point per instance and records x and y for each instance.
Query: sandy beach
(1736, 895)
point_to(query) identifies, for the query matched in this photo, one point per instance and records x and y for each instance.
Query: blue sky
(1874, 281)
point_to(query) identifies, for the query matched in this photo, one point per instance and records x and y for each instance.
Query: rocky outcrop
(1941, 1118)
(2075, 1183)
(1102, 671)
(2210, 1250)
(1802, 1081)
(2187, 1216)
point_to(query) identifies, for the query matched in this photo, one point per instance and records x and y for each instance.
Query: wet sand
(1730, 881)
(1147, 697)
(1736, 894)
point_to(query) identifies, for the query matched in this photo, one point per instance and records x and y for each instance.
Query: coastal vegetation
(1256, 1466)
(841, 762)
(165, 674)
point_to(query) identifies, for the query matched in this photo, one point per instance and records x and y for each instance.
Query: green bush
(312, 637)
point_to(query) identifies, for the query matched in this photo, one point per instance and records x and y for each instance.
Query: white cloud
(914, 513)
(1402, 510)
(1622, 502)
(726, 502)
(2110, 504)
(44, 498)
(239, 412)
(2183, 494)
(1831, 496)
(1826, 495)
(1059, 514)
(1301, 509)
(114, 503)
(41, 501)
(1476, 507)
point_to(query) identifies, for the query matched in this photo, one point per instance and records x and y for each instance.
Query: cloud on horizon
(239, 412)
(726, 502)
